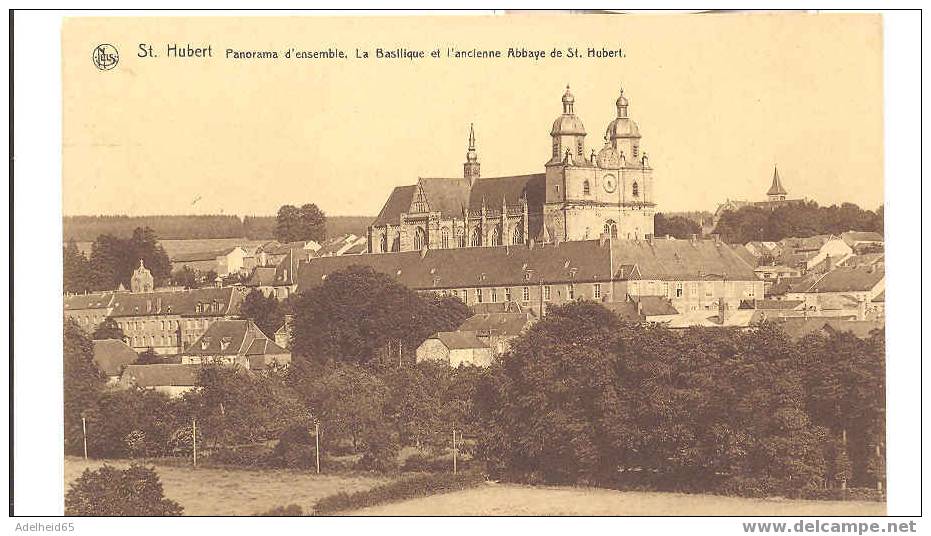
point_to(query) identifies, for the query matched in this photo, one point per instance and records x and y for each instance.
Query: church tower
(142, 280)
(608, 193)
(471, 170)
(777, 191)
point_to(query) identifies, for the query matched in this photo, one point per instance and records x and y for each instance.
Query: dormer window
(204, 343)
(224, 343)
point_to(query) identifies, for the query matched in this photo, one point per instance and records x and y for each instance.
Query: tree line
(113, 260)
(191, 227)
(581, 398)
(803, 219)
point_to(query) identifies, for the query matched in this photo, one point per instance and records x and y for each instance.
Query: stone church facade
(583, 194)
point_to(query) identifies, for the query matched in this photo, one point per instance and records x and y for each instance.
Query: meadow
(209, 491)
(231, 491)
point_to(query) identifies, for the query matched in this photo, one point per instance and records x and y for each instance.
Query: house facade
(235, 342)
(691, 274)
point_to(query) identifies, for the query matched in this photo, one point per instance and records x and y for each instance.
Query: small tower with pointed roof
(777, 191)
(142, 280)
(471, 170)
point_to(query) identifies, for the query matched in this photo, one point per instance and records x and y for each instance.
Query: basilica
(582, 194)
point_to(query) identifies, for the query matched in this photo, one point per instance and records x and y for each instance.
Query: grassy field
(236, 491)
(506, 499)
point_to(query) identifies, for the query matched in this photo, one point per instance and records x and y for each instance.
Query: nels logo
(105, 57)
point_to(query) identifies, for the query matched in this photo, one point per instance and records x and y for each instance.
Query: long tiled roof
(98, 300)
(506, 324)
(849, 279)
(852, 237)
(446, 196)
(399, 202)
(495, 190)
(160, 375)
(110, 355)
(577, 261)
(459, 340)
(213, 302)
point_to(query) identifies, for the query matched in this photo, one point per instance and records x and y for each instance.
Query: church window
(420, 239)
(384, 243)
(476, 237)
(460, 238)
(580, 146)
(496, 236)
(586, 188)
(546, 293)
(596, 291)
(517, 236)
(444, 238)
(635, 189)
(396, 243)
(610, 228)
(525, 293)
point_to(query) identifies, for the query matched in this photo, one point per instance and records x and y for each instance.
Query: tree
(265, 311)
(305, 223)
(184, 277)
(751, 223)
(547, 403)
(108, 491)
(113, 259)
(108, 329)
(361, 316)
(149, 357)
(83, 384)
(675, 226)
(77, 275)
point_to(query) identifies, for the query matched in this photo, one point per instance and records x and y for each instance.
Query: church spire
(471, 170)
(777, 191)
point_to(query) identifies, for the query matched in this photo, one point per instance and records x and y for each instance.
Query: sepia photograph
(512, 264)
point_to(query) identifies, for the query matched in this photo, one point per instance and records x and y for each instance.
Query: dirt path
(492, 499)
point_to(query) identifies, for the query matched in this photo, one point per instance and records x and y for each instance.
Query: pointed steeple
(776, 192)
(471, 170)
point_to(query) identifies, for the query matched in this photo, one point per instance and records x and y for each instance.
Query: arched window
(444, 238)
(517, 236)
(476, 237)
(420, 239)
(384, 242)
(396, 243)
(610, 229)
(460, 238)
(586, 188)
(635, 189)
(496, 236)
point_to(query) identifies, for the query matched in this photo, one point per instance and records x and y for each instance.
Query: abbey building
(582, 194)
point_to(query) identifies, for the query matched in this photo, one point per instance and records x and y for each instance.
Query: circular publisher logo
(105, 57)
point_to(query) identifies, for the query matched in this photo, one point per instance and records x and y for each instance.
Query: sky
(720, 99)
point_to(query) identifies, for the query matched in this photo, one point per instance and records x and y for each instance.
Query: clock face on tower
(610, 183)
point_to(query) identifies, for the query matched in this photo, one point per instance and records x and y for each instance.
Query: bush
(290, 510)
(108, 491)
(420, 463)
(295, 448)
(400, 490)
